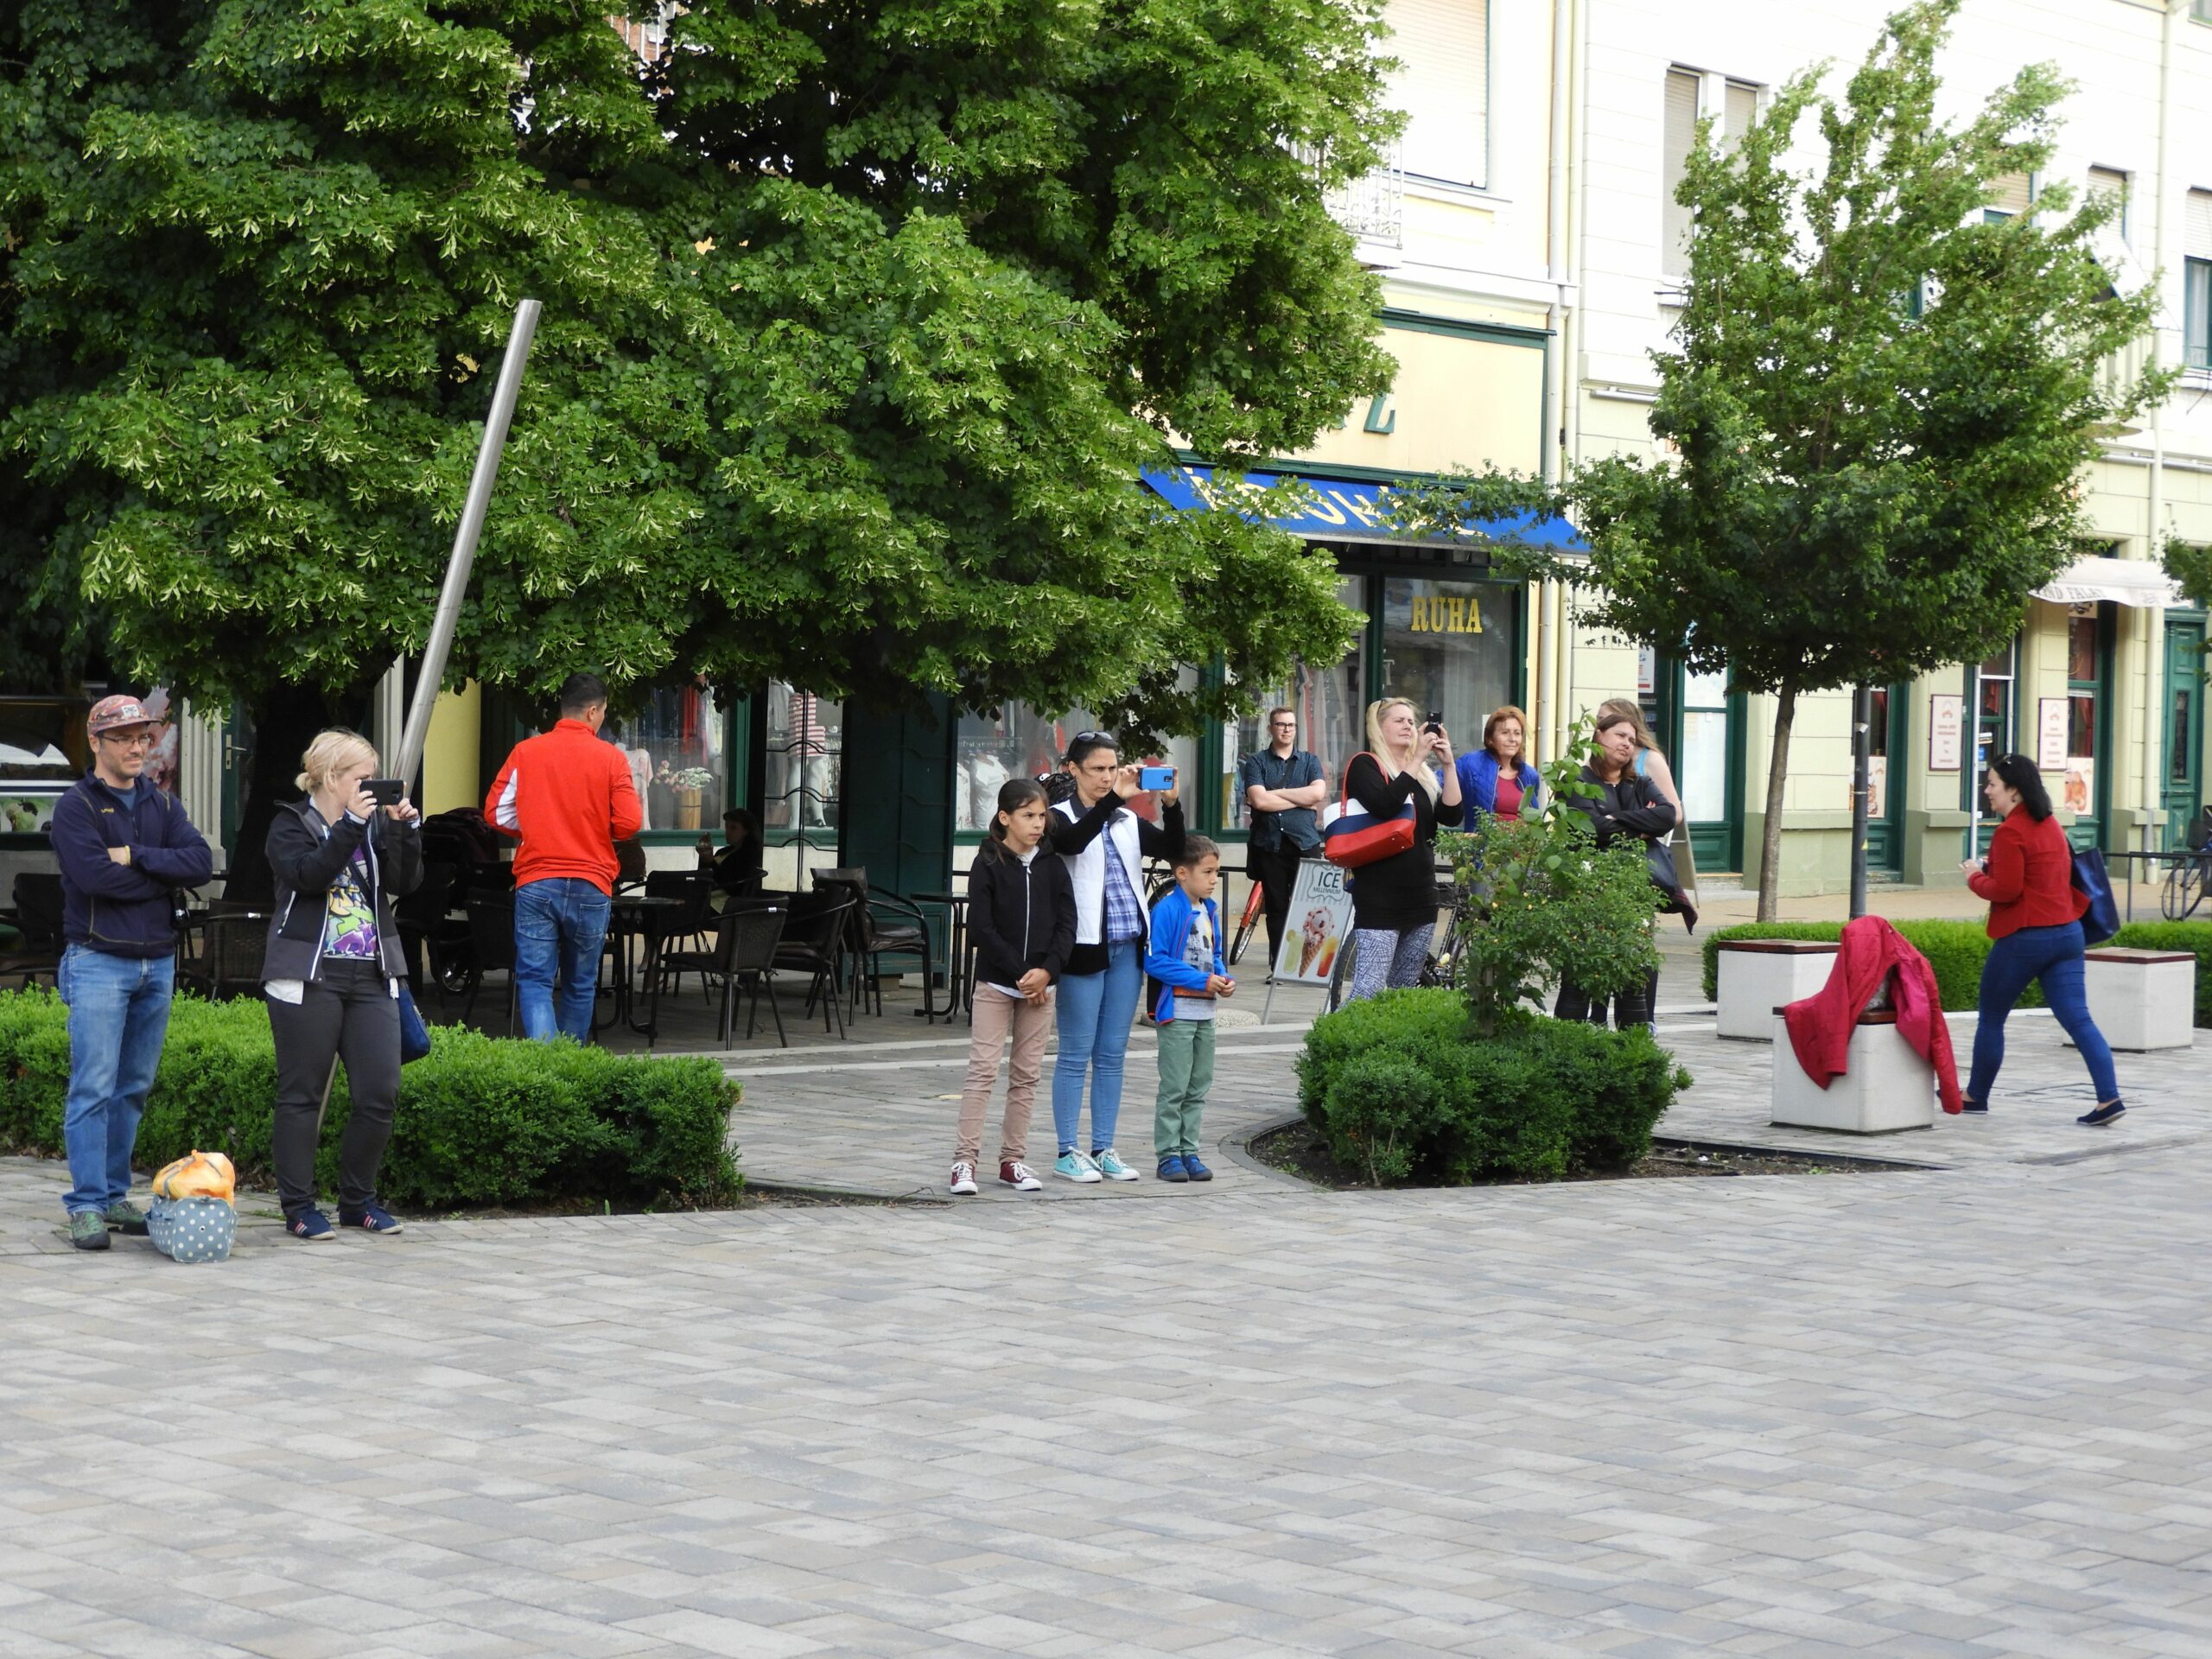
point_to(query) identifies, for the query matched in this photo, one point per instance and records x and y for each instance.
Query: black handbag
(1660, 858)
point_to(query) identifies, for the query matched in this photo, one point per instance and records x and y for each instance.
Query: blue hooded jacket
(1478, 782)
(1171, 936)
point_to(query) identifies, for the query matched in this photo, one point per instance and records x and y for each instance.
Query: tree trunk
(285, 721)
(1778, 774)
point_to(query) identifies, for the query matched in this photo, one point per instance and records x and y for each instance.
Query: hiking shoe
(2103, 1115)
(1018, 1176)
(370, 1218)
(1110, 1165)
(1197, 1171)
(1074, 1166)
(963, 1181)
(125, 1217)
(88, 1229)
(310, 1224)
(1171, 1169)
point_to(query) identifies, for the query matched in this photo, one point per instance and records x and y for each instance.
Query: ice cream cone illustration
(1310, 939)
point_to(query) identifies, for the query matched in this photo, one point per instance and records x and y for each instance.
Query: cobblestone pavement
(1952, 1412)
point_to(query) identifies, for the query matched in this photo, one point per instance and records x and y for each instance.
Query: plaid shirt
(1124, 909)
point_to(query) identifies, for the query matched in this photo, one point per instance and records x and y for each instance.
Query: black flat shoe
(2103, 1115)
(1980, 1108)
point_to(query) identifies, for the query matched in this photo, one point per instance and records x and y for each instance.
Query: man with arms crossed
(1282, 785)
(123, 845)
(570, 799)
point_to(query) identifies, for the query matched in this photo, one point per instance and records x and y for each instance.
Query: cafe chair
(743, 956)
(491, 942)
(38, 920)
(884, 924)
(814, 943)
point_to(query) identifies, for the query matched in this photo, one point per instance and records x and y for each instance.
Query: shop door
(1885, 781)
(1709, 769)
(2086, 787)
(2183, 789)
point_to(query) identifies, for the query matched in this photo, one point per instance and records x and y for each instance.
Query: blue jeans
(2052, 955)
(560, 925)
(1095, 1010)
(118, 1013)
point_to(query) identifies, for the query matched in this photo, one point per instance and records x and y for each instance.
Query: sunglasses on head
(1093, 737)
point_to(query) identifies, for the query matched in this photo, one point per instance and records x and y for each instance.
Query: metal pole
(1862, 720)
(440, 645)
(1970, 759)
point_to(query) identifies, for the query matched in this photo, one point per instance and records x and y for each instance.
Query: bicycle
(2186, 880)
(1254, 911)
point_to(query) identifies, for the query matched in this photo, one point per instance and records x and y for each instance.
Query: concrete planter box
(2142, 999)
(1758, 974)
(1888, 1087)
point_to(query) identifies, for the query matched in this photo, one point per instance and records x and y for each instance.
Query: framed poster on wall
(2051, 734)
(1946, 724)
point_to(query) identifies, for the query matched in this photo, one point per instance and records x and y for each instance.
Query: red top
(1509, 796)
(2029, 876)
(571, 798)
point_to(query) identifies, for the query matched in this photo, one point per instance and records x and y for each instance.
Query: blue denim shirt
(1300, 827)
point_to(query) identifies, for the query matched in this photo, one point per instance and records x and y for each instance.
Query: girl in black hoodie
(1021, 920)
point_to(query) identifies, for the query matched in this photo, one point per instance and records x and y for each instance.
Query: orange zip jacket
(570, 799)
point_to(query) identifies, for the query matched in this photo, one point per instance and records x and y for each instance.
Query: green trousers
(1185, 1074)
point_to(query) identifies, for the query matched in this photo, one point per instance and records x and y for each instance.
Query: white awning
(2126, 582)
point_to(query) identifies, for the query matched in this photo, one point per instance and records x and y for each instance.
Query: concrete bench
(2142, 999)
(1887, 1086)
(1757, 974)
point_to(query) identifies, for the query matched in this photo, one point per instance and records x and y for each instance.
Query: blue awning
(1347, 509)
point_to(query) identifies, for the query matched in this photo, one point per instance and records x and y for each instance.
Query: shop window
(676, 748)
(1019, 741)
(805, 750)
(1450, 646)
(2084, 695)
(1701, 769)
(1331, 703)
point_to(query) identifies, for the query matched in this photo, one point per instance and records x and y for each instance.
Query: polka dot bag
(191, 1218)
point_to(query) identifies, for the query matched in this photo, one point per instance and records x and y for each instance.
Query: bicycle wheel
(2174, 901)
(2192, 885)
(1339, 972)
(1243, 937)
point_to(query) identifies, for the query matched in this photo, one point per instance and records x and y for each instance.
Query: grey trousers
(349, 1014)
(1386, 958)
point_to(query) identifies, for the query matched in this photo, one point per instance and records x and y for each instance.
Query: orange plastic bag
(202, 1175)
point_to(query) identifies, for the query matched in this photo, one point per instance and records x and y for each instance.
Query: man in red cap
(125, 847)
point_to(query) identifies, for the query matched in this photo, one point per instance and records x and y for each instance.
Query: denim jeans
(118, 1013)
(2052, 955)
(1095, 1010)
(560, 925)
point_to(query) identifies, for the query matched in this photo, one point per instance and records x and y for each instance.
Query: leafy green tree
(1878, 405)
(861, 320)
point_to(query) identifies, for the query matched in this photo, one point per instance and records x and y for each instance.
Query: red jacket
(2029, 876)
(570, 799)
(1820, 1026)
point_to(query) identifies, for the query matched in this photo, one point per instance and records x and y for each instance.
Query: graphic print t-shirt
(350, 930)
(1198, 952)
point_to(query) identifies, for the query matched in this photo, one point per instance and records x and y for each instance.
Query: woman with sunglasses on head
(1104, 846)
(2035, 920)
(1394, 899)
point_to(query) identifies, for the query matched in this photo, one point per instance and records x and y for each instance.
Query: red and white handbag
(1356, 838)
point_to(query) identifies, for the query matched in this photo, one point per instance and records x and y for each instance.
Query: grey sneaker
(88, 1229)
(125, 1216)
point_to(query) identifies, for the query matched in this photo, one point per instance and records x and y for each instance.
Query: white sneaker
(1020, 1177)
(1074, 1166)
(964, 1180)
(1111, 1166)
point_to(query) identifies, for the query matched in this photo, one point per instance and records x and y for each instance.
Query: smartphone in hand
(386, 792)
(1155, 777)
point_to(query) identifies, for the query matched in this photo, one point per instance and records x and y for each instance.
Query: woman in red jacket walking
(2035, 913)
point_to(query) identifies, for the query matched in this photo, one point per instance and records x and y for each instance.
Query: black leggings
(348, 1012)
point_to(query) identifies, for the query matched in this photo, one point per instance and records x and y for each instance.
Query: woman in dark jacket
(1394, 899)
(1021, 920)
(1621, 805)
(2035, 920)
(332, 976)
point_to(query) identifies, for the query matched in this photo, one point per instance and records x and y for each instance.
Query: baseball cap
(109, 713)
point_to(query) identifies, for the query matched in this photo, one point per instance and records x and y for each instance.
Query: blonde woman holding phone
(1394, 899)
(333, 973)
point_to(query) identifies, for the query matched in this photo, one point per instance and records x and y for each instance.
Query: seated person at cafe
(738, 866)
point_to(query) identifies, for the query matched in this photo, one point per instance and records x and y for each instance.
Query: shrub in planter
(481, 1120)
(1402, 1087)
(1954, 950)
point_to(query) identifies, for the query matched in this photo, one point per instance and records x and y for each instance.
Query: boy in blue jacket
(1184, 954)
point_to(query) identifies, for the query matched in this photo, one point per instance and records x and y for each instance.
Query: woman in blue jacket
(1496, 779)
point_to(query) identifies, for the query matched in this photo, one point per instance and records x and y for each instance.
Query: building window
(2084, 692)
(1330, 702)
(805, 748)
(1442, 84)
(2196, 281)
(1691, 95)
(2111, 181)
(1993, 731)
(676, 746)
(1451, 647)
(1019, 741)
(2009, 197)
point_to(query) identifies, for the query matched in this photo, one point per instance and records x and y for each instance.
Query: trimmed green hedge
(481, 1120)
(1957, 949)
(1399, 1087)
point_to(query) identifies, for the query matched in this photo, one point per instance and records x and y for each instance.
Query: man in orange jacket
(570, 797)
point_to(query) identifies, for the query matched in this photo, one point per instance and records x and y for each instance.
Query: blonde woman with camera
(1394, 899)
(333, 972)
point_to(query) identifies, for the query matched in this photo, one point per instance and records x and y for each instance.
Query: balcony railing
(1372, 208)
